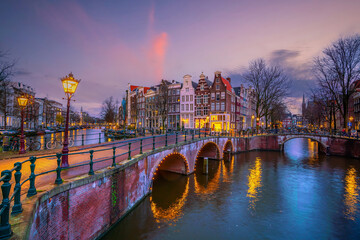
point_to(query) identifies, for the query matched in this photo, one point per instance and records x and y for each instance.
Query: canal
(297, 194)
(79, 137)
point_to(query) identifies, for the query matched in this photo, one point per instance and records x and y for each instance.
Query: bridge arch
(228, 147)
(322, 146)
(209, 150)
(173, 162)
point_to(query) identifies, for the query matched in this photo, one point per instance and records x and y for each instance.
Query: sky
(108, 44)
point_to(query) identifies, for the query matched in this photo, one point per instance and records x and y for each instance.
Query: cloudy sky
(109, 44)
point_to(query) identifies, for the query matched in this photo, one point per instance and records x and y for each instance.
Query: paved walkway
(46, 163)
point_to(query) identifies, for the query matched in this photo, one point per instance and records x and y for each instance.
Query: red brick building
(202, 102)
(222, 104)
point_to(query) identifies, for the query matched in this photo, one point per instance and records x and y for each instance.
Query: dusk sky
(109, 44)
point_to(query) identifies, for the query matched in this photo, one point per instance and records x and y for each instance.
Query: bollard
(99, 137)
(153, 143)
(129, 157)
(32, 190)
(5, 227)
(113, 163)
(141, 151)
(176, 138)
(91, 171)
(82, 140)
(206, 166)
(17, 208)
(166, 143)
(58, 169)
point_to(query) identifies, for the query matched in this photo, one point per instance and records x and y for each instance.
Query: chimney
(229, 79)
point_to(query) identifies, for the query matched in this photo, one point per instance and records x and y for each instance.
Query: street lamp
(22, 103)
(70, 84)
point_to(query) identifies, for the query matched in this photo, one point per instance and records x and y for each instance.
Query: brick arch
(173, 162)
(228, 146)
(322, 146)
(210, 150)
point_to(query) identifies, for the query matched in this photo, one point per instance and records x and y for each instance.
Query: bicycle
(32, 145)
(14, 144)
(54, 143)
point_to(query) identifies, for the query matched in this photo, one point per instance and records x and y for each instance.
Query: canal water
(297, 194)
(79, 136)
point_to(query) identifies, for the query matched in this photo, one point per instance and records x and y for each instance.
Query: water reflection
(207, 184)
(302, 149)
(254, 183)
(351, 194)
(228, 168)
(169, 208)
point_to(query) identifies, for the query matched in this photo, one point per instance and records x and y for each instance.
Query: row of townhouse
(189, 105)
(39, 112)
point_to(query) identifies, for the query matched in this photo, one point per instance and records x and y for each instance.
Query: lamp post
(70, 84)
(22, 103)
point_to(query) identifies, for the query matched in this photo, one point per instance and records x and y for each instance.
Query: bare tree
(270, 87)
(109, 110)
(162, 103)
(337, 68)
(6, 71)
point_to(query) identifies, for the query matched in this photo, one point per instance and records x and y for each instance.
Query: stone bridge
(68, 211)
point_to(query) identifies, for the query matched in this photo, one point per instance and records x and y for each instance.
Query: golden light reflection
(312, 148)
(174, 211)
(351, 194)
(228, 173)
(211, 187)
(254, 183)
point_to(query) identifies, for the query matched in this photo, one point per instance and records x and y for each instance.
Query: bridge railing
(120, 151)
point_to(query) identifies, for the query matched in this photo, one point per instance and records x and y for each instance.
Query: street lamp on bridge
(22, 103)
(70, 84)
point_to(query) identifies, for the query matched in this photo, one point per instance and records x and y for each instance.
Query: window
(201, 86)
(217, 106)
(217, 96)
(205, 99)
(169, 92)
(222, 106)
(212, 106)
(183, 98)
(191, 98)
(174, 91)
(182, 107)
(212, 96)
(206, 111)
(187, 98)
(198, 111)
(223, 95)
(218, 80)
(217, 87)
(187, 107)
(191, 107)
(187, 89)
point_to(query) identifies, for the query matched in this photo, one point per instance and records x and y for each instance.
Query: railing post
(185, 136)
(58, 169)
(82, 139)
(91, 171)
(99, 137)
(32, 190)
(153, 143)
(199, 133)
(176, 138)
(17, 208)
(114, 151)
(192, 137)
(5, 227)
(44, 142)
(129, 156)
(141, 151)
(166, 143)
